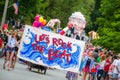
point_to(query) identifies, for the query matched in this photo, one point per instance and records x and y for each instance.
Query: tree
(60, 9)
(94, 14)
(2, 3)
(109, 25)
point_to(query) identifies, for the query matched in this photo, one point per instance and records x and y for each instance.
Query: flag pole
(4, 13)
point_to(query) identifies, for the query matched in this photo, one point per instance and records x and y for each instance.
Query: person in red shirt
(106, 67)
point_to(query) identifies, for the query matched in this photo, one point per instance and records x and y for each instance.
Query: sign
(49, 49)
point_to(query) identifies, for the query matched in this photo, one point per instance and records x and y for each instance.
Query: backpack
(88, 62)
(106, 67)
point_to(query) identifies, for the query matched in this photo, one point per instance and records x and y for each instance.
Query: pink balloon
(37, 17)
(35, 24)
(39, 24)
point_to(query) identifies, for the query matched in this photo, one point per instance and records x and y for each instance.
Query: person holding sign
(74, 29)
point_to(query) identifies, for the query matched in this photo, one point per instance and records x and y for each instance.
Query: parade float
(61, 50)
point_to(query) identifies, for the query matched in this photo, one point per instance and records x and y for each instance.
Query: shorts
(106, 74)
(115, 75)
(110, 73)
(86, 68)
(9, 49)
(101, 73)
(118, 75)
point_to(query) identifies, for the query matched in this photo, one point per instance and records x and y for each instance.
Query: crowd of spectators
(100, 64)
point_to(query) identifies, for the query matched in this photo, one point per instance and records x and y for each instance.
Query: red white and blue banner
(50, 49)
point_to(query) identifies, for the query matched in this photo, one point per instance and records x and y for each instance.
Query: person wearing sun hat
(10, 49)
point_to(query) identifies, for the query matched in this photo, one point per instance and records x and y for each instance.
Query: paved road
(21, 73)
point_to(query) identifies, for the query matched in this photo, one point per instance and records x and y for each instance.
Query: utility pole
(4, 13)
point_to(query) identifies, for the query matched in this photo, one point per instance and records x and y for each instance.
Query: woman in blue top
(87, 65)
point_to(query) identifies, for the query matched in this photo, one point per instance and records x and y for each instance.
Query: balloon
(37, 17)
(36, 24)
(39, 24)
(44, 22)
(41, 19)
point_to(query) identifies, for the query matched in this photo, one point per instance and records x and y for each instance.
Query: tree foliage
(60, 9)
(109, 25)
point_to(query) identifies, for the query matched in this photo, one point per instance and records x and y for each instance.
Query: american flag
(15, 5)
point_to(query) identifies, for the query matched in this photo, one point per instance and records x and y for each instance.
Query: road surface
(21, 72)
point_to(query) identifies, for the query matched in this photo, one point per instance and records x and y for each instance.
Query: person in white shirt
(10, 49)
(101, 72)
(117, 65)
(116, 68)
